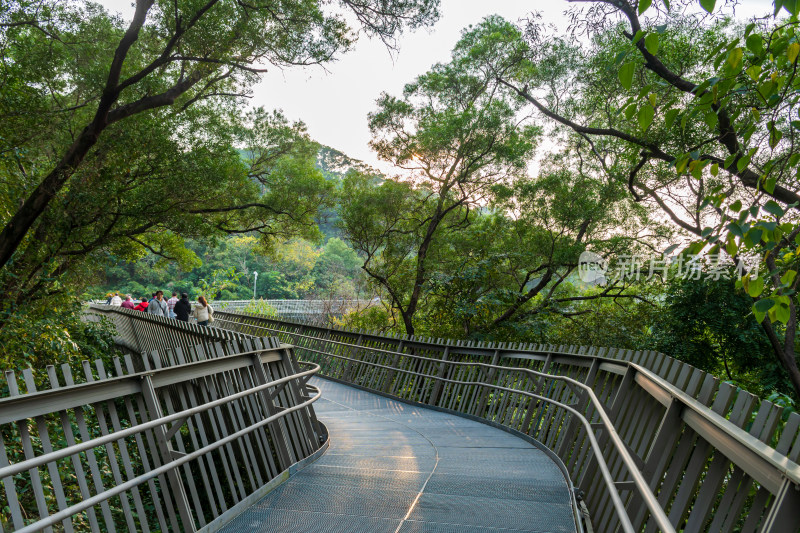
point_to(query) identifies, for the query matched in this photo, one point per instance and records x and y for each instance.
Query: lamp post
(255, 282)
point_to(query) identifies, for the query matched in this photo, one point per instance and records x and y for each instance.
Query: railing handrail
(166, 467)
(776, 460)
(62, 453)
(641, 485)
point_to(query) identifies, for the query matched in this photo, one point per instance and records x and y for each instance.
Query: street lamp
(255, 282)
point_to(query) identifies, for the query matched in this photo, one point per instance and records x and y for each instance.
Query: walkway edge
(576, 511)
(231, 514)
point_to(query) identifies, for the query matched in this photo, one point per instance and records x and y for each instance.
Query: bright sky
(334, 101)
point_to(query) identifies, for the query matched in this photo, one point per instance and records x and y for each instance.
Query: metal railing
(175, 440)
(682, 450)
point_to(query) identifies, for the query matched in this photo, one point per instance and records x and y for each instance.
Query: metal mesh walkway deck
(395, 468)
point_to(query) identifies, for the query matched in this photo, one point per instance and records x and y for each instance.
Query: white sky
(334, 101)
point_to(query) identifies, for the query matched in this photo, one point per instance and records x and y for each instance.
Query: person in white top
(203, 311)
(116, 300)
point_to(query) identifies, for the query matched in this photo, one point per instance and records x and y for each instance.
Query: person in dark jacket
(183, 308)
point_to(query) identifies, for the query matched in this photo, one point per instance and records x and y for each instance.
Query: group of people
(178, 308)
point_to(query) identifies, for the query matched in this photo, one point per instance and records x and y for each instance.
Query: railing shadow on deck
(679, 445)
(179, 434)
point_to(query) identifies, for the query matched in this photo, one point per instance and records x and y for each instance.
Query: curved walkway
(396, 468)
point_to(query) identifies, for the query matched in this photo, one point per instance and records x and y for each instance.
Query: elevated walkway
(396, 468)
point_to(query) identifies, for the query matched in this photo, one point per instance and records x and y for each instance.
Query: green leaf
(735, 58)
(670, 117)
(753, 237)
(645, 116)
(775, 136)
(754, 71)
(711, 119)
(731, 247)
(651, 43)
(742, 163)
(708, 5)
(755, 44)
(681, 164)
(643, 5)
(735, 229)
(769, 184)
(736, 206)
(782, 312)
(790, 5)
(764, 305)
(773, 208)
(626, 74)
(792, 51)
(755, 287)
(788, 278)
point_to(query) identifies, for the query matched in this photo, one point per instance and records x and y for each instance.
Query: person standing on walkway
(158, 305)
(183, 308)
(171, 304)
(116, 301)
(128, 303)
(203, 311)
(142, 305)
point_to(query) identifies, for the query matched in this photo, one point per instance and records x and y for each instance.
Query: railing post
(784, 514)
(526, 424)
(387, 387)
(582, 404)
(276, 430)
(437, 386)
(487, 378)
(353, 353)
(166, 451)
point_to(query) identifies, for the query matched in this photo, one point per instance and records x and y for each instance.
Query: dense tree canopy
(126, 150)
(693, 113)
(126, 138)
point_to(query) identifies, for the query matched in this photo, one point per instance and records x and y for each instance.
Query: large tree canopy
(70, 72)
(119, 139)
(455, 141)
(693, 113)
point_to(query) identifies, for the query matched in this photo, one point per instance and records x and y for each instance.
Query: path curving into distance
(396, 468)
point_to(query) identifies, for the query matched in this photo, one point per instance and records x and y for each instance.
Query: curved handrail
(748, 443)
(63, 453)
(166, 467)
(642, 487)
(41, 460)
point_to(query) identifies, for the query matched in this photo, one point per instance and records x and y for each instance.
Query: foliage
(53, 334)
(693, 114)
(297, 269)
(455, 141)
(260, 307)
(127, 139)
(706, 323)
(218, 282)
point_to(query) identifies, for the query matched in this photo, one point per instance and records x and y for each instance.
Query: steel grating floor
(396, 468)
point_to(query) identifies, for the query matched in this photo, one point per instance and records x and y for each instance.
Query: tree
(516, 267)
(705, 322)
(455, 141)
(693, 114)
(169, 55)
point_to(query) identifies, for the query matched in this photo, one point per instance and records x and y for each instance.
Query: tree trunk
(785, 355)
